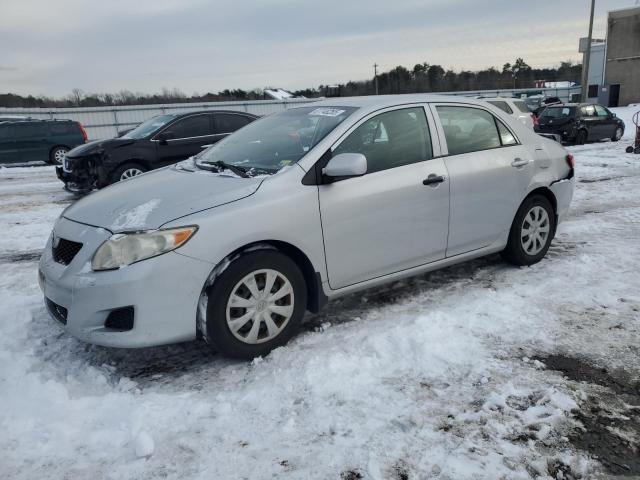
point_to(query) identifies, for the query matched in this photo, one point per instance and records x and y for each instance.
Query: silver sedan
(297, 208)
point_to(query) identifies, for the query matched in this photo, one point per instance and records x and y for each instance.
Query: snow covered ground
(477, 371)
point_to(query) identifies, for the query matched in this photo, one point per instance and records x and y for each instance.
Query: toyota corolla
(297, 208)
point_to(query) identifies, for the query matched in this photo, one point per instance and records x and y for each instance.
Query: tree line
(422, 78)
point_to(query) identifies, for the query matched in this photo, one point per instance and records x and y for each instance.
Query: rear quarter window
(504, 106)
(63, 128)
(520, 105)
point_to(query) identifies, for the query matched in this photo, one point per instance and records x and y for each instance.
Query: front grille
(57, 311)
(65, 250)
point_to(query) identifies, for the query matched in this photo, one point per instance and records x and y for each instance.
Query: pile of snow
(278, 94)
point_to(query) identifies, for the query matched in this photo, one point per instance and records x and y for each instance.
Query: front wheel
(531, 232)
(127, 171)
(617, 135)
(256, 304)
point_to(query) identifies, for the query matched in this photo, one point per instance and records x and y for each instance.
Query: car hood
(149, 201)
(98, 145)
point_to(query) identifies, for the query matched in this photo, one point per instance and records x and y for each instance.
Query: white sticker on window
(566, 111)
(327, 112)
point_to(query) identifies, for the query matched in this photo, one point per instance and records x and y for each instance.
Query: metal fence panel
(106, 122)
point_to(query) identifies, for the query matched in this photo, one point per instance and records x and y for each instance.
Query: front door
(489, 174)
(187, 137)
(387, 220)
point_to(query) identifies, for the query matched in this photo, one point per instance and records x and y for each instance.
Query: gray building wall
(623, 54)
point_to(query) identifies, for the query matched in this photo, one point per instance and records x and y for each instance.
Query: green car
(39, 140)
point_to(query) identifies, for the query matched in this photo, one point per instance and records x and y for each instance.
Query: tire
(581, 137)
(617, 135)
(525, 249)
(629, 149)
(126, 171)
(56, 155)
(251, 337)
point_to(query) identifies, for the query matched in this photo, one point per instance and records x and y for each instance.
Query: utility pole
(587, 57)
(375, 75)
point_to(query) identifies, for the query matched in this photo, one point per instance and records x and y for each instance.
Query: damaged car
(300, 207)
(158, 142)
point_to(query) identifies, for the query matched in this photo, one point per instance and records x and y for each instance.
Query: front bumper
(163, 292)
(83, 174)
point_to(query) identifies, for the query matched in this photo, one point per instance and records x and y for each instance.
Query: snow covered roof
(278, 94)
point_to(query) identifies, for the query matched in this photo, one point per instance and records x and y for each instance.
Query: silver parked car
(297, 208)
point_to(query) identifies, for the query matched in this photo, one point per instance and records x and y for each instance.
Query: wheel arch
(549, 195)
(316, 298)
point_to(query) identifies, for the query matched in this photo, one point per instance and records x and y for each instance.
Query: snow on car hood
(151, 200)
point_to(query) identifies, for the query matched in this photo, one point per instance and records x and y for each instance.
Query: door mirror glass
(346, 165)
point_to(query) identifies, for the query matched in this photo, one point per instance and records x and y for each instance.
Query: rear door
(8, 146)
(188, 135)
(32, 141)
(387, 220)
(489, 172)
(592, 122)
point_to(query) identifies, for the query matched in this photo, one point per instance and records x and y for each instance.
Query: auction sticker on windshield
(327, 112)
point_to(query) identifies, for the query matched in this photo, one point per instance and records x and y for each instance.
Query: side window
(227, 123)
(520, 105)
(506, 137)
(27, 130)
(504, 106)
(391, 139)
(468, 129)
(600, 111)
(588, 111)
(61, 128)
(195, 126)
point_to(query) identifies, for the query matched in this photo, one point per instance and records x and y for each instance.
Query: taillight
(571, 161)
(535, 119)
(84, 132)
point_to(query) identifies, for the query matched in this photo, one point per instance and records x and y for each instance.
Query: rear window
(63, 128)
(558, 112)
(504, 106)
(520, 105)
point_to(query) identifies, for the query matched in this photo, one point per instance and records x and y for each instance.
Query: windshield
(271, 143)
(148, 127)
(558, 112)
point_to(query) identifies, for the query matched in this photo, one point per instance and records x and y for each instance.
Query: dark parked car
(158, 142)
(39, 140)
(580, 123)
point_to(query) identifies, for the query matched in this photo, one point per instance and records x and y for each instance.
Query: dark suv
(158, 142)
(39, 140)
(580, 123)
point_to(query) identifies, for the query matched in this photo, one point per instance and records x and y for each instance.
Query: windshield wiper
(241, 171)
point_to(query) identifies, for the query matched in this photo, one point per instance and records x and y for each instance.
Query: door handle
(433, 179)
(519, 162)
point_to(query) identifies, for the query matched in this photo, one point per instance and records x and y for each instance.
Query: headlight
(127, 248)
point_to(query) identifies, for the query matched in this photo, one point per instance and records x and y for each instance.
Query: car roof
(193, 112)
(377, 102)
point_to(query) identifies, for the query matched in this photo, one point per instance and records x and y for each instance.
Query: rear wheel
(256, 304)
(531, 232)
(127, 171)
(581, 137)
(57, 154)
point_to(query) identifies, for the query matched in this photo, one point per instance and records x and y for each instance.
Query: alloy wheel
(260, 306)
(59, 155)
(130, 173)
(535, 230)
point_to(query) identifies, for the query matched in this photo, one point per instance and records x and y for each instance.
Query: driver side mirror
(164, 136)
(346, 165)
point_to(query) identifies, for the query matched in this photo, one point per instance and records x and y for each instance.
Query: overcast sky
(52, 46)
